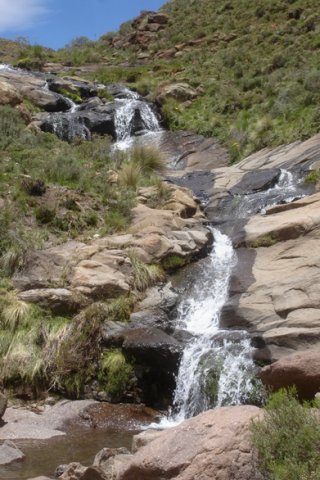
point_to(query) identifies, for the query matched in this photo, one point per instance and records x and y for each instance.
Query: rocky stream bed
(251, 293)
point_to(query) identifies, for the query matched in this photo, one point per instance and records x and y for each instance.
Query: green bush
(287, 439)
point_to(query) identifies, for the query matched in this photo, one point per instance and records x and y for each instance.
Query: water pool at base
(81, 444)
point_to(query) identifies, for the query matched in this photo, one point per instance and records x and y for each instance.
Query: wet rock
(215, 443)
(3, 404)
(73, 471)
(149, 346)
(301, 369)
(10, 453)
(260, 171)
(60, 470)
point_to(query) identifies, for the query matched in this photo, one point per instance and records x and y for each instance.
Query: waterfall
(129, 110)
(216, 364)
(284, 191)
(216, 367)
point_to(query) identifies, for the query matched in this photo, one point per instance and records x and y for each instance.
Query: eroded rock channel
(252, 294)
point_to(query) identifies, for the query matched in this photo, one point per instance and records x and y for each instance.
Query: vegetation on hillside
(51, 191)
(255, 66)
(287, 439)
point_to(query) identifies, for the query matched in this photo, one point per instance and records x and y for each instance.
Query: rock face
(215, 444)
(301, 369)
(274, 291)
(74, 274)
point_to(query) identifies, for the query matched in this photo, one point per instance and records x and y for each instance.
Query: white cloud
(18, 14)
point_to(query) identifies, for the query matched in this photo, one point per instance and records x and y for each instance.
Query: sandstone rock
(10, 453)
(144, 438)
(301, 369)
(111, 460)
(59, 300)
(279, 299)
(9, 95)
(178, 91)
(3, 404)
(215, 444)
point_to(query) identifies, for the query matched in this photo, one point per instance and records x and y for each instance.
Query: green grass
(287, 440)
(264, 241)
(313, 177)
(114, 372)
(144, 276)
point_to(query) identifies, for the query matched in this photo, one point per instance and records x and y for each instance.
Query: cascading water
(217, 368)
(284, 191)
(128, 110)
(216, 365)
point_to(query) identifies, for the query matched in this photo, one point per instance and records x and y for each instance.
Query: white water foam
(127, 109)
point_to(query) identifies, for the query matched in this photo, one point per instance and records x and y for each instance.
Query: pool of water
(81, 444)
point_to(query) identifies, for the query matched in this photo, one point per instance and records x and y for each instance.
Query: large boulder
(215, 444)
(301, 369)
(9, 95)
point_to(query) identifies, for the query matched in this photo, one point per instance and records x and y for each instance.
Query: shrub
(287, 440)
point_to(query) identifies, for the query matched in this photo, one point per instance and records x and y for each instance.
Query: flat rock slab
(10, 453)
(20, 423)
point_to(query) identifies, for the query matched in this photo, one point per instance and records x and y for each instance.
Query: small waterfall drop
(285, 190)
(129, 110)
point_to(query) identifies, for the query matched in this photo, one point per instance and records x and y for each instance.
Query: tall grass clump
(144, 276)
(114, 372)
(287, 439)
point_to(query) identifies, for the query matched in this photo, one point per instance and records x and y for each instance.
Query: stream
(217, 366)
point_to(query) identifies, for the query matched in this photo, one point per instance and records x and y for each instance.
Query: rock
(59, 300)
(60, 470)
(215, 443)
(243, 177)
(179, 91)
(33, 87)
(144, 438)
(10, 453)
(72, 85)
(150, 346)
(9, 95)
(111, 460)
(301, 369)
(74, 471)
(3, 404)
(275, 292)
(106, 274)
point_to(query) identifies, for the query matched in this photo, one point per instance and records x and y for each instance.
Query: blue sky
(53, 23)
